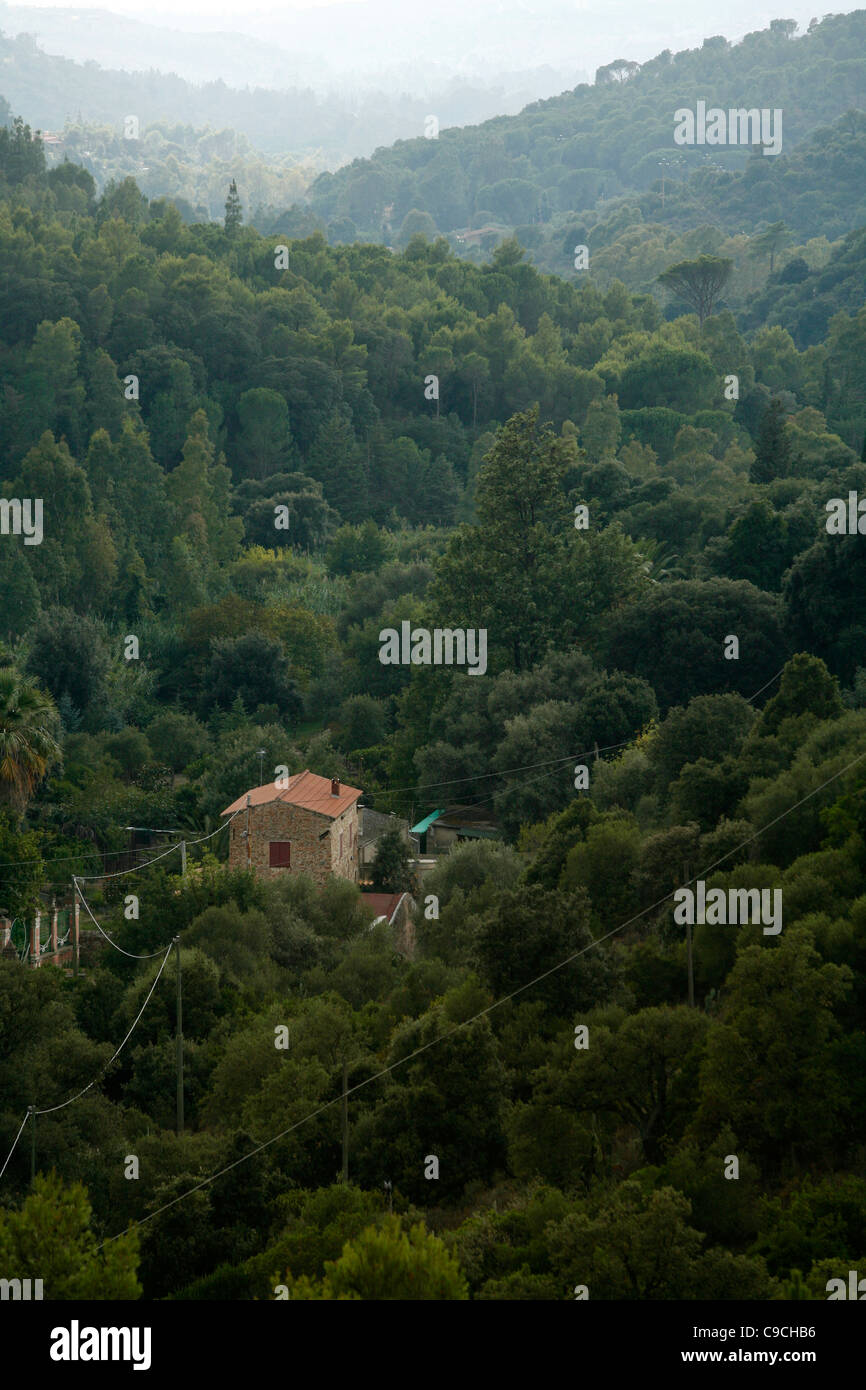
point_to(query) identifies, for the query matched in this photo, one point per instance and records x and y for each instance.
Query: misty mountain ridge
(290, 54)
(385, 43)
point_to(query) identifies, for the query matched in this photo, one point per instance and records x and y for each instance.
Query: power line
(132, 955)
(136, 868)
(392, 791)
(120, 872)
(764, 686)
(575, 756)
(524, 782)
(108, 854)
(500, 772)
(489, 1009)
(97, 878)
(51, 1109)
(69, 858)
(65, 858)
(528, 767)
(551, 764)
(14, 1145)
(183, 844)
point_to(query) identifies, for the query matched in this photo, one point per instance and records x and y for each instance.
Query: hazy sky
(735, 16)
(408, 45)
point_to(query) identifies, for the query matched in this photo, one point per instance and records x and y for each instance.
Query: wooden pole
(75, 925)
(345, 1126)
(179, 1043)
(689, 958)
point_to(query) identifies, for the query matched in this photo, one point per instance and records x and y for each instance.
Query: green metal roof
(426, 822)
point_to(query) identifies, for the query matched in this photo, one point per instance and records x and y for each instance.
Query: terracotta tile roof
(305, 789)
(383, 904)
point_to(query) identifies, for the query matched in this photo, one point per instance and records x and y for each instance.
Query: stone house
(308, 827)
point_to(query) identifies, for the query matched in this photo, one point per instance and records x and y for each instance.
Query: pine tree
(698, 282)
(769, 242)
(70, 717)
(105, 401)
(772, 447)
(21, 603)
(200, 490)
(134, 586)
(234, 214)
(74, 1267)
(438, 493)
(335, 459)
(601, 430)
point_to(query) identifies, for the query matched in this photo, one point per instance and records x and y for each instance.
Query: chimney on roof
(335, 786)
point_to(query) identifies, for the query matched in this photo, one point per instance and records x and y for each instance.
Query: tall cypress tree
(772, 447)
(337, 462)
(234, 214)
(200, 489)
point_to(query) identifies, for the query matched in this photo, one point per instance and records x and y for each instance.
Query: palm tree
(28, 718)
(658, 563)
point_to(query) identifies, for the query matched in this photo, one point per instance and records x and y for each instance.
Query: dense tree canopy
(265, 440)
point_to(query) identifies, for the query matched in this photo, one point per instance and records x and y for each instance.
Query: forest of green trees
(598, 165)
(244, 466)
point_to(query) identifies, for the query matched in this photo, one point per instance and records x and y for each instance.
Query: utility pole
(75, 927)
(249, 845)
(179, 1041)
(691, 966)
(183, 856)
(390, 1191)
(32, 1109)
(345, 1125)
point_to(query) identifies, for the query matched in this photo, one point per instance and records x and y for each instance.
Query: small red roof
(306, 789)
(384, 904)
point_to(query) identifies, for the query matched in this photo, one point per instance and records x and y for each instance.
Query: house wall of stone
(346, 864)
(315, 841)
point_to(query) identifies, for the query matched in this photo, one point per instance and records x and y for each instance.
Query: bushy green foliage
(528, 1078)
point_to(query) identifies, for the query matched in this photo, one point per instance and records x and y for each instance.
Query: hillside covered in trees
(600, 163)
(294, 112)
(257, 452)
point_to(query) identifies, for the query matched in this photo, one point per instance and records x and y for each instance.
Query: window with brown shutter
(280, 854)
